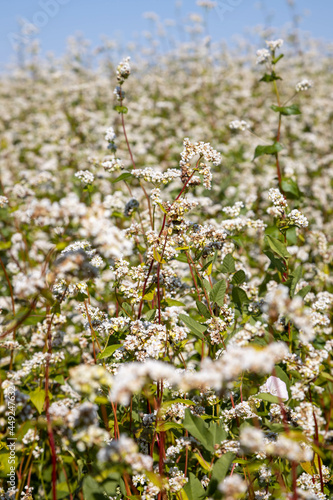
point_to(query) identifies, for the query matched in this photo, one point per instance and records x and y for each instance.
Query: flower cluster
(159, 340)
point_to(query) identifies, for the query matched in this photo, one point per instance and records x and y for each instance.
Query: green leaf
(217, 433)
(123, 177)
(4, 245)
(265, 396)
(196, 328)
(121, 109)
(273, 149)
(194, 489)
(181, 258)
(206, 284)
(277, 246)
(296, 276)
(162, 426)
(270, 78)
(228, 265)
(34, 319)
(239, 277)
(203, 310)
(62, 490)
(239, 297)
(127, 308)
(158, 257)
(80, 297)
(206, 266)
(111, 484)
(60, 379)
(275, 262)
(108, 351)
(302, 293)
(92, 489)
(217, 292)
(38, 399)
(290, 188)
(287, 110)
(291, 236)
(328, 376)
(198, 429)
(172, 302)
(220, 471)
(277, 59)
(150, 315)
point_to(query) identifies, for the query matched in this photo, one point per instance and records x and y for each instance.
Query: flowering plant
(169, 338)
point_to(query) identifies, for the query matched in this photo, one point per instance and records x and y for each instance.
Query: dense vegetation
(165, 303)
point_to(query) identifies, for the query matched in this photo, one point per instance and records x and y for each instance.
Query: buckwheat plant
(166, 294)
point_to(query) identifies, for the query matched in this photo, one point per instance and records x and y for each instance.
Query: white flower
(232, 486)
(85, 176)
(298, 219)
(239, 125)
(110, 134)
(274, 44)
(276, 387)
(303, 85)
(3, 201)
(263, 56)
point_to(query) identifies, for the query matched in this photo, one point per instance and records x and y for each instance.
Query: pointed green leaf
(287, 110)
(37, 397)
(92, 490)
(275, 262)
(217, 433)
(267, 150)
(123, 177)
(108, 351)
(173, 302)
(239, 296)
(290, 188)
(196, 328)
(121, 109)
(228, 265)
(270, 77)
(277, 246)
(302, 293)
(277, 59)
(150, 315)
(194, 489)
(198, 429)
(265, 396)
(239, 277)
(220, 470)
(296, 276)
(203, 310)
(217, 292)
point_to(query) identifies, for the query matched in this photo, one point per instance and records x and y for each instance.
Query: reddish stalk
(294, 477)
(316, 442)
(116, 427)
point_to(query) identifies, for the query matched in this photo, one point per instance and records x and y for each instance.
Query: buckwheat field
(165, 271)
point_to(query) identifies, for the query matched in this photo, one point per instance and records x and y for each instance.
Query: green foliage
(217, 292)
(196, 328)
(273, 149)
(287, 110)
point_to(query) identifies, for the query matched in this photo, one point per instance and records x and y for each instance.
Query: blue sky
(122, 19)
